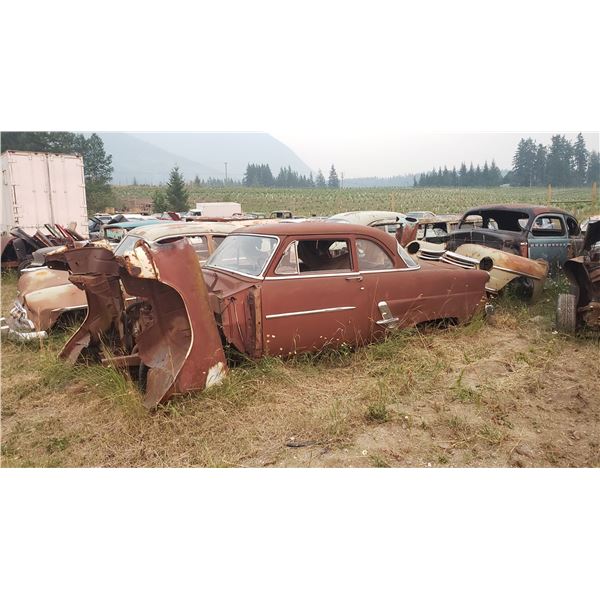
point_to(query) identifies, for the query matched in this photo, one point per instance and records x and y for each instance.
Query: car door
(310, 302)
(549, 239)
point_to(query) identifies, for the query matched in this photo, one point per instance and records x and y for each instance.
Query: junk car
(45, 295)
(536, 232)
(581, 307)
(276, 290)
(524, 275)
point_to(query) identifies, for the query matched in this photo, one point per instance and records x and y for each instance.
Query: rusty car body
(536, 232)
(581, 307)
(44, 295)
(276, 289)
(525, 275)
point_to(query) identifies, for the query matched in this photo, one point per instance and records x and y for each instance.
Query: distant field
(327, 202)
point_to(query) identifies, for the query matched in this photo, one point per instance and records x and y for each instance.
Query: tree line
(562, 164)
(97, 164)
(486, 176)
(260, 175)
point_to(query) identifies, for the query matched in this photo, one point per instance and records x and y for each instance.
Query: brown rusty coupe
(581, 307)
(276, 289)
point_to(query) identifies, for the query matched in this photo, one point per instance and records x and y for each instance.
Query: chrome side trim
(311, 312)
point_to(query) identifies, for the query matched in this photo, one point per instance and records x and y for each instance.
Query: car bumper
(18, 326)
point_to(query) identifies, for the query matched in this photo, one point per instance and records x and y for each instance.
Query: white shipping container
(218, 209)
(40, 188)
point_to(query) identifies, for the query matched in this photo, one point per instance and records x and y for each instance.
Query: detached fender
(179, 341)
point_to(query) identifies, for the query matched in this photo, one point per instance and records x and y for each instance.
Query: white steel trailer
(217, 209)
(40, 188)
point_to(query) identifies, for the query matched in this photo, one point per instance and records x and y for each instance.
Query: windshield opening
(246, 254)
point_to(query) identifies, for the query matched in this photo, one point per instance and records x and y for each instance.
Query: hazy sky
(354, 83)
(386, 153)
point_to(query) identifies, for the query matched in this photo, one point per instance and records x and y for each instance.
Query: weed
(378, 412)
(380, 462)
(57, 444)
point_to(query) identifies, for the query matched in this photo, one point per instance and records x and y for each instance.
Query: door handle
(354, 278)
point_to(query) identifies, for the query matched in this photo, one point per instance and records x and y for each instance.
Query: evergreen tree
(524, 162)
(580, 159)
(485, 175)
(495, 174)
(539, 166)
(176, 195)
(454, 177)
(333, 181)
(462, 175)
(159, 201)
(197, 181)
(593, 169)
(559, 165)
(471, 176)
(320, 181)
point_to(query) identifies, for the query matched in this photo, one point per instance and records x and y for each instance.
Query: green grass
(327, 202)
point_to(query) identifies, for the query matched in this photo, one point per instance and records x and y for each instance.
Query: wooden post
(549, 194)
(594, 195)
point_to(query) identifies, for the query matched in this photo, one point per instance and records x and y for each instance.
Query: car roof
(161, 229)
(530, 209)
(364, 217)
(131, 224)
(325, 228)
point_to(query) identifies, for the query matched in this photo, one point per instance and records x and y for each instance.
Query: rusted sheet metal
(169, 328)
(506, 267)
(584, 274)
(407, 231)
(46, 294)
(503, 267)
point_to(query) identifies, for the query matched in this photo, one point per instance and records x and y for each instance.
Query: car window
(323, 255)
(114, 234)
(200, 245)
(548, 226)
(371, 257)
(289, 263)
(126, 245)
(217, 239)
(246, 254)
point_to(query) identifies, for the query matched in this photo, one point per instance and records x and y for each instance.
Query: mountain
(214, 149)
(134, 158)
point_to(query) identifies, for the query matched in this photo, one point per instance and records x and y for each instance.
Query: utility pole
(342, 180)
(225, 173)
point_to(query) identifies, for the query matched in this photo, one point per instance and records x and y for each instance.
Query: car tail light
(524, 249)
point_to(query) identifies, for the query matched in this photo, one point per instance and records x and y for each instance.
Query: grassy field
(505, 393)
(327, 202)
